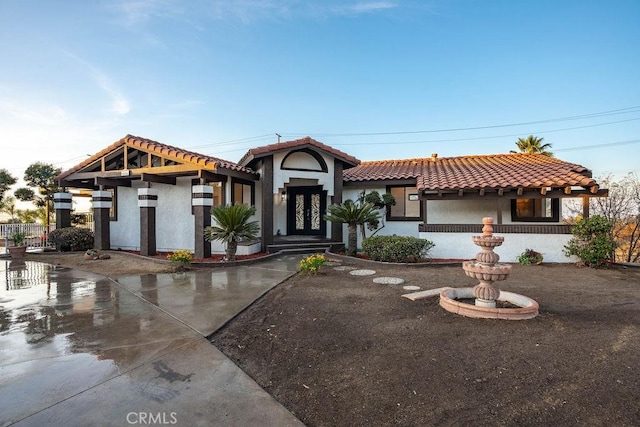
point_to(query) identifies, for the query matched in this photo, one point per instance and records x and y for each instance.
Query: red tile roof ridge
(265, 149)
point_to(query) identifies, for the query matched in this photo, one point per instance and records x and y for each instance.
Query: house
(151, 197)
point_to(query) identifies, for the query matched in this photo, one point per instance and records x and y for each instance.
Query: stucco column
(147, 202)
(202, 201)
(102, 202)
(267, 203)
(338, 180)
(63, 205)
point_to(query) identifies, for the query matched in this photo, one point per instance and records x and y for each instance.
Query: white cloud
(135, 12)
(119, 103)
(365, 7)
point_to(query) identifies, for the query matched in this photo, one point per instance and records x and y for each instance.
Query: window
(535, 210)
(218, 194)
(113, 212)
(408, 205)
(242, 192)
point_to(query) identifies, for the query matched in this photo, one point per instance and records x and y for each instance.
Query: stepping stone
(411, 288)
(389, 281)
(362, 272)
(332, 263)
(425, 294)
(344, 268)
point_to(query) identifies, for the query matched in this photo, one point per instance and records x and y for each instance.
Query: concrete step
(304, 247)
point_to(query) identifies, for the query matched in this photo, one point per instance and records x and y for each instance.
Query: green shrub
(530, 257)
(592, 242)
(72, 239)
(396, 248)
(312, 263)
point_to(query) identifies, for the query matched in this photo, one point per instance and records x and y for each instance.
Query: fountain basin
(527, 307)
(480, 271)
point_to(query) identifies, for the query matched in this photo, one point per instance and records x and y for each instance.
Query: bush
(592, 242)
(312, 263)
(180, 258)
(72, 239)
(530, 257)
(396, 248)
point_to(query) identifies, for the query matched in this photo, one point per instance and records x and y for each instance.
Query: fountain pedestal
(485, 267)
(487, 270)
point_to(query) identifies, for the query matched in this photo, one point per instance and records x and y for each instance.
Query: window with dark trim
(408, 205)
(113, 212)
(243, 192)
(535, 210)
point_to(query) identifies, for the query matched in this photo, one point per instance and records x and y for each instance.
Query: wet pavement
(81, 349)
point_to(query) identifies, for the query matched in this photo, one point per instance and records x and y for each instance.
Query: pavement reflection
(65, 332)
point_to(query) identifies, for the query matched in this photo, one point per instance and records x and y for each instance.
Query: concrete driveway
(81, 349)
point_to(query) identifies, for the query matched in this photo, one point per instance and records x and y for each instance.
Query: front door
(305, 208)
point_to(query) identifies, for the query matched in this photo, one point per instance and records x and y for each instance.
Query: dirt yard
(120, 263)
(341, 350)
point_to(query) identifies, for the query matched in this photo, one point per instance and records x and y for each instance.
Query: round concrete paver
(332, 264)
(362, 272)
(411, 288)
(344, 268)
(388, 280)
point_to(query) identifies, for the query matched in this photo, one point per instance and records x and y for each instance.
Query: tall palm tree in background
(533, 144)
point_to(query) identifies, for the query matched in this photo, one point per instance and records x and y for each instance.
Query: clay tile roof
(174, 153)
(266, 150)
(476, 172)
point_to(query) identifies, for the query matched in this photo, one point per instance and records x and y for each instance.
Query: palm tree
(533, 144)
(353, 215)
(232, 226)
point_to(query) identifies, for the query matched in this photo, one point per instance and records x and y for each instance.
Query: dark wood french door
(305, 208)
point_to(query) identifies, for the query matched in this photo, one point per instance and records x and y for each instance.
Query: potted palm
(19, 246)
(233, 225)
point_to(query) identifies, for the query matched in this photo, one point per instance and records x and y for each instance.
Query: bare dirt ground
(341, 350)
(120, 263)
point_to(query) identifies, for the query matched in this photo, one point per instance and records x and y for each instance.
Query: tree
(233, 225)
(8, 206)
(380, 202)
(592, 241)
(622, 209)
(533, 144)
(352, 214)
(41, 176)
(6, 181)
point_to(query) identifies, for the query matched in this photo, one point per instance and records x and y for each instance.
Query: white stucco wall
(175, 228)
(460, 246)
(282, 177)
(174, 221)
(125, 232)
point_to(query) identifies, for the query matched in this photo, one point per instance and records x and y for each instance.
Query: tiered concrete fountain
(487, 270)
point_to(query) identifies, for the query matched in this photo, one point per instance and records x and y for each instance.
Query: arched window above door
(304, 160)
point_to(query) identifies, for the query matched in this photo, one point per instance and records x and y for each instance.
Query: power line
(606, 144)
(626, 110)
(424, 141)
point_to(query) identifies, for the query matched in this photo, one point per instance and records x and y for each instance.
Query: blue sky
(376, 79)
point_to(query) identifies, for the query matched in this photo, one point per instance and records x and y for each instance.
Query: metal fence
(37, 234)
